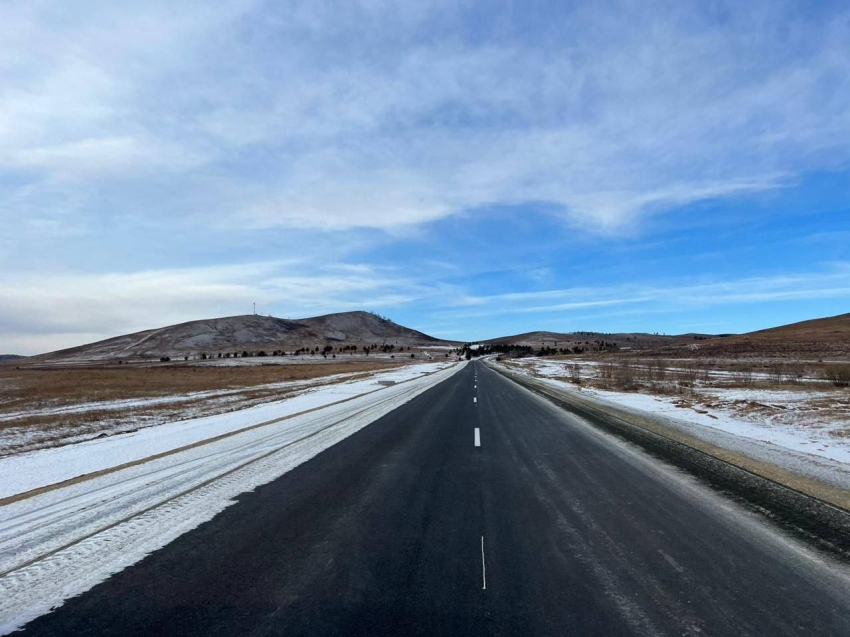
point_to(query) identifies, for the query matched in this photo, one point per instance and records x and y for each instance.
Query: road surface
(477, 508)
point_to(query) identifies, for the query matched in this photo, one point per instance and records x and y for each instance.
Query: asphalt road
(549, 527)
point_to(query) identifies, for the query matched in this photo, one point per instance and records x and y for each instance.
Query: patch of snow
(26, 471)
(61, 543)
(113, 405)
(797, 446)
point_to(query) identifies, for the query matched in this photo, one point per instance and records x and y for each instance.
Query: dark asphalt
(381, 535)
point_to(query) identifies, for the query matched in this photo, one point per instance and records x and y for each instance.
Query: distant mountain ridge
(827, 338)
(247, 332)
(624, 340)
(816, 338)
(822, 338)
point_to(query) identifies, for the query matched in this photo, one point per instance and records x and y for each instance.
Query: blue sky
(468, 169)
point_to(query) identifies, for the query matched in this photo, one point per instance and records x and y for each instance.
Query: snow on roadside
(59, 544)
(796, 436)
(31, 470)
(129, 403)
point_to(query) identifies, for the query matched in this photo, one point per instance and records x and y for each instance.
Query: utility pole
(255, 309)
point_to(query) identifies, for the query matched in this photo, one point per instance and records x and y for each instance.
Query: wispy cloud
(386, 115)
(830, 282)
(61, 311)
(70, 309)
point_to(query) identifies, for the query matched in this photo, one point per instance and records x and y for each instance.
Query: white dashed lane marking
(483, 565)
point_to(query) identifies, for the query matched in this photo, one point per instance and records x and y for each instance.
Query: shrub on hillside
(838, 375)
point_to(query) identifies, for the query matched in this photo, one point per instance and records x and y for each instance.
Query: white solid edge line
(483, 567)
(477, 437)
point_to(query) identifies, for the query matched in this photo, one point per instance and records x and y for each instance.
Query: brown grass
(26, 390)
(838, 375)
(820, 401)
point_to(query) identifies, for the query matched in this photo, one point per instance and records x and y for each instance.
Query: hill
(595, 341)
(365, 327)
(249, 332)
(10, 357)
(824, 338)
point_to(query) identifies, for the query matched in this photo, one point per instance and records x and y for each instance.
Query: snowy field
(59, 543)
(55, 419)
(26, 471)
(811, 420)
(118, 405)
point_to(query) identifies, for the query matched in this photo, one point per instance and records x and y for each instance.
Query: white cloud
(381, 115)
(830, 282)
(99, 158)
(63, 310)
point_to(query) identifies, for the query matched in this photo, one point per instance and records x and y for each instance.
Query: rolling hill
(248, 332)
(823, 338)
(624, 341)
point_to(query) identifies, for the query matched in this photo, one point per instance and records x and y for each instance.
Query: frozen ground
(116, 405)
(62, 542)
(812, 421)
(26, 471)
(54, 423)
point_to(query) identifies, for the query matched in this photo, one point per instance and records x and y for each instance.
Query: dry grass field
(794, 373)
(28, 388)
(39, 407)
(772, 392)
(818, 340)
